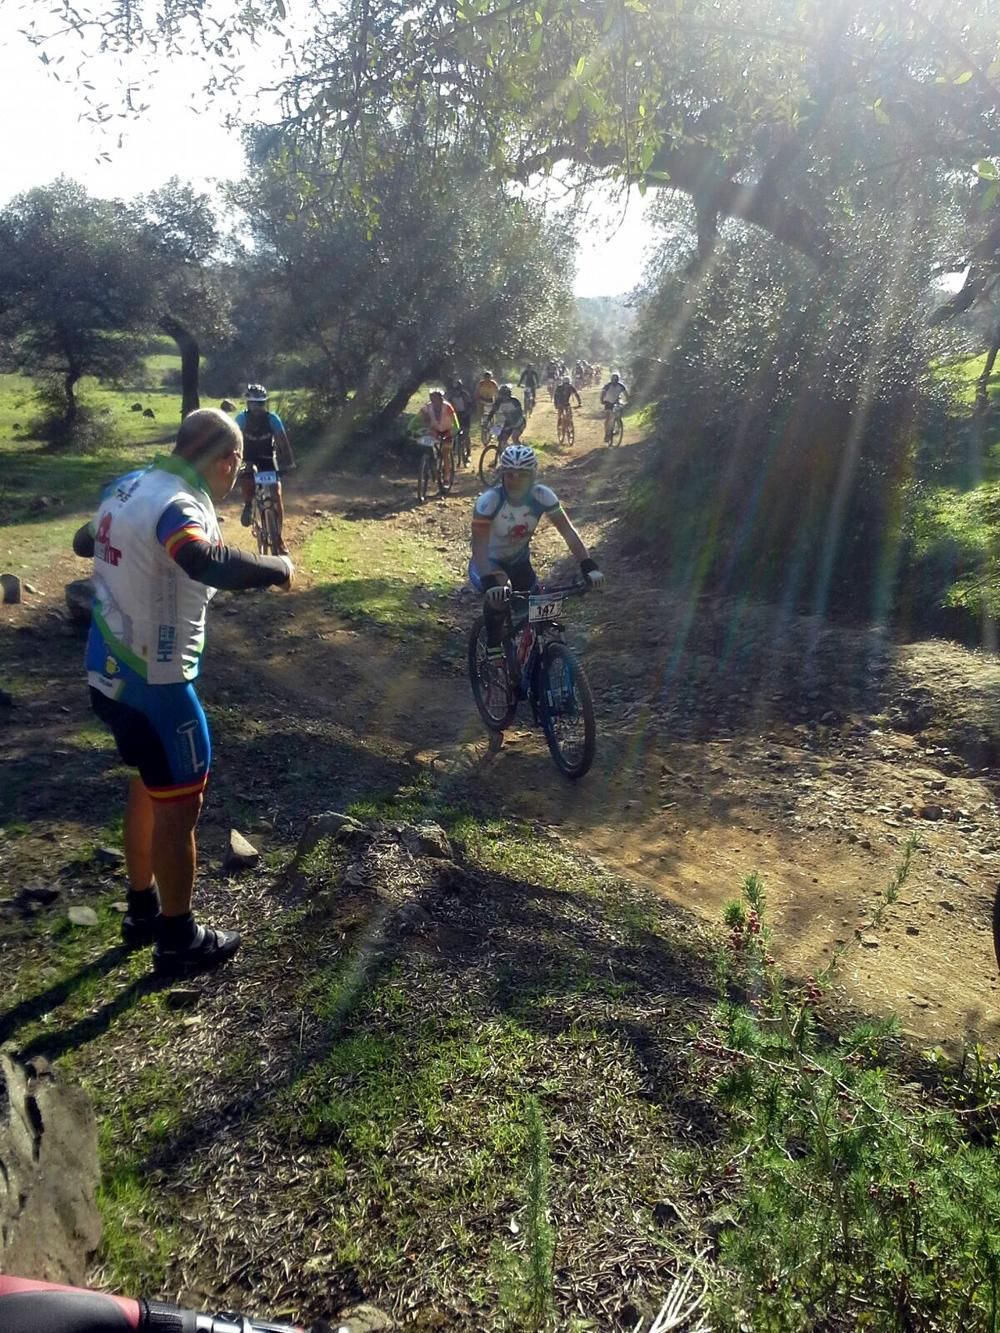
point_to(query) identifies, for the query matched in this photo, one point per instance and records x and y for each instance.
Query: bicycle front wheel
(488, 461)
(617, 431)
(494, 698)
(570, 432)
(426, 474)
(567, 710)
(271, 538)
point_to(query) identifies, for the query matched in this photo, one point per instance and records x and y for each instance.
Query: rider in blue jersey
(263, 433)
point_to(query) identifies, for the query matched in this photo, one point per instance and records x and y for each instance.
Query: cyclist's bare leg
(139, 835)
(173, 852)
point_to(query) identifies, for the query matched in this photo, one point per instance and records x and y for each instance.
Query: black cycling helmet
(256, 393)
(505, 391)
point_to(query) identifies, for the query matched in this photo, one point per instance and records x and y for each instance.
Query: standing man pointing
(158, 558)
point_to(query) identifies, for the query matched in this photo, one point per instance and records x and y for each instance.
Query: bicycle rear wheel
(446, 471)
(497, 713)
(567, 711)
(617, 431)
(488, 461)
(425, 475)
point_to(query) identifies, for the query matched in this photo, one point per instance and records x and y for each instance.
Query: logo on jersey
(520, 530)
(102, 543)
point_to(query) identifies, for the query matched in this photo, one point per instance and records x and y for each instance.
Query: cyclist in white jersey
(611, 396)
(503, 522)
(158, 557)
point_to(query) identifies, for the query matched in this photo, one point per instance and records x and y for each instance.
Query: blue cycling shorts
(159, 729)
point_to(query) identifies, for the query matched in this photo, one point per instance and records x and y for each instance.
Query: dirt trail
(731, 738)
(729, 741)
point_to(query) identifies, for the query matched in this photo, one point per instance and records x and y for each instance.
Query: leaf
(581, 65)
(279, 9)
(987, 170)
(990, 196)
(963, 78)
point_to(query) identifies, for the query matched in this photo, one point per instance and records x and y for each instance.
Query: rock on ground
(80, 600)
(242, 854)
(49, 1173)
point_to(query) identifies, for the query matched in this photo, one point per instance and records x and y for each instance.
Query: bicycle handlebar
(27, 1306)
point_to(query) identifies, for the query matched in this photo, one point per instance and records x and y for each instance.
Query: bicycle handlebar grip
(27, 1306)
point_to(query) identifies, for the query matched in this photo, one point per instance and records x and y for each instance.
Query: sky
(45, 136)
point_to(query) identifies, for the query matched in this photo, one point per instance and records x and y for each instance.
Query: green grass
(381, 573)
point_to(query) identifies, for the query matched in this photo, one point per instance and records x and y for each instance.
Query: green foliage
(787, 416)
(844, 1197)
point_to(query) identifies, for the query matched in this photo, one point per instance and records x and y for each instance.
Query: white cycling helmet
(256, 393)
(518, 458)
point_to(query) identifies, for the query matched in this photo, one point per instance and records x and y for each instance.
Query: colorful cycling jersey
(148, 612)
(611, 394)
(259, 431)
(486, 390)
(512, 525)
(444, 422)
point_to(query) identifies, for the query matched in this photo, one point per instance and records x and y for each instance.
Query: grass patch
(385, 575)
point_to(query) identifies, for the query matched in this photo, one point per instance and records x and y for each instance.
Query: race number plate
(544, 608)
(427, 441)
(267, 478)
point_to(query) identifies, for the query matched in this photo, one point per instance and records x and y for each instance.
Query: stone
(6, 700)
(182, 997)
(109, 856)
(930, 811)
(80, 600)
(427, 839)
(136, 407)
(227, 405)
(448, 877)
(365, 1319)
(82, 916)
(10, 585)
(45, 894)
(242, 854)
(869, 941)
(30, 587)
(148, 412)
(49, 1172)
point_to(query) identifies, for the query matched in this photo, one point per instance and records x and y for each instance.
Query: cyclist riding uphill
(511, 414)
(437, 417)
(529, 382)
(611, 396)
(504, 520)
(262, 431)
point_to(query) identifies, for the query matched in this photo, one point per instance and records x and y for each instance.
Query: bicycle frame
(528, 650)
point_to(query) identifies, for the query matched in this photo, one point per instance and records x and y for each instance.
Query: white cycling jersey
(513, 525)
(148, 610)
(611, 394)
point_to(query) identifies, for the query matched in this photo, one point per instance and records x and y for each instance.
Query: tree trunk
(190, 362)
(983, 383)
(383, 418)
(69, 389)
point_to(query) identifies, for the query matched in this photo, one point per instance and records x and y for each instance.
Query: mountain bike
(264, 526)
(529, 400)
(484, 425)
(617, 426)
(537, 665)
(565, 426)
(489, 459)
(27, 1306)
(463, 446)
(437, 463)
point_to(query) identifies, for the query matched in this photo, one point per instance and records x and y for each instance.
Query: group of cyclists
(446, 417)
